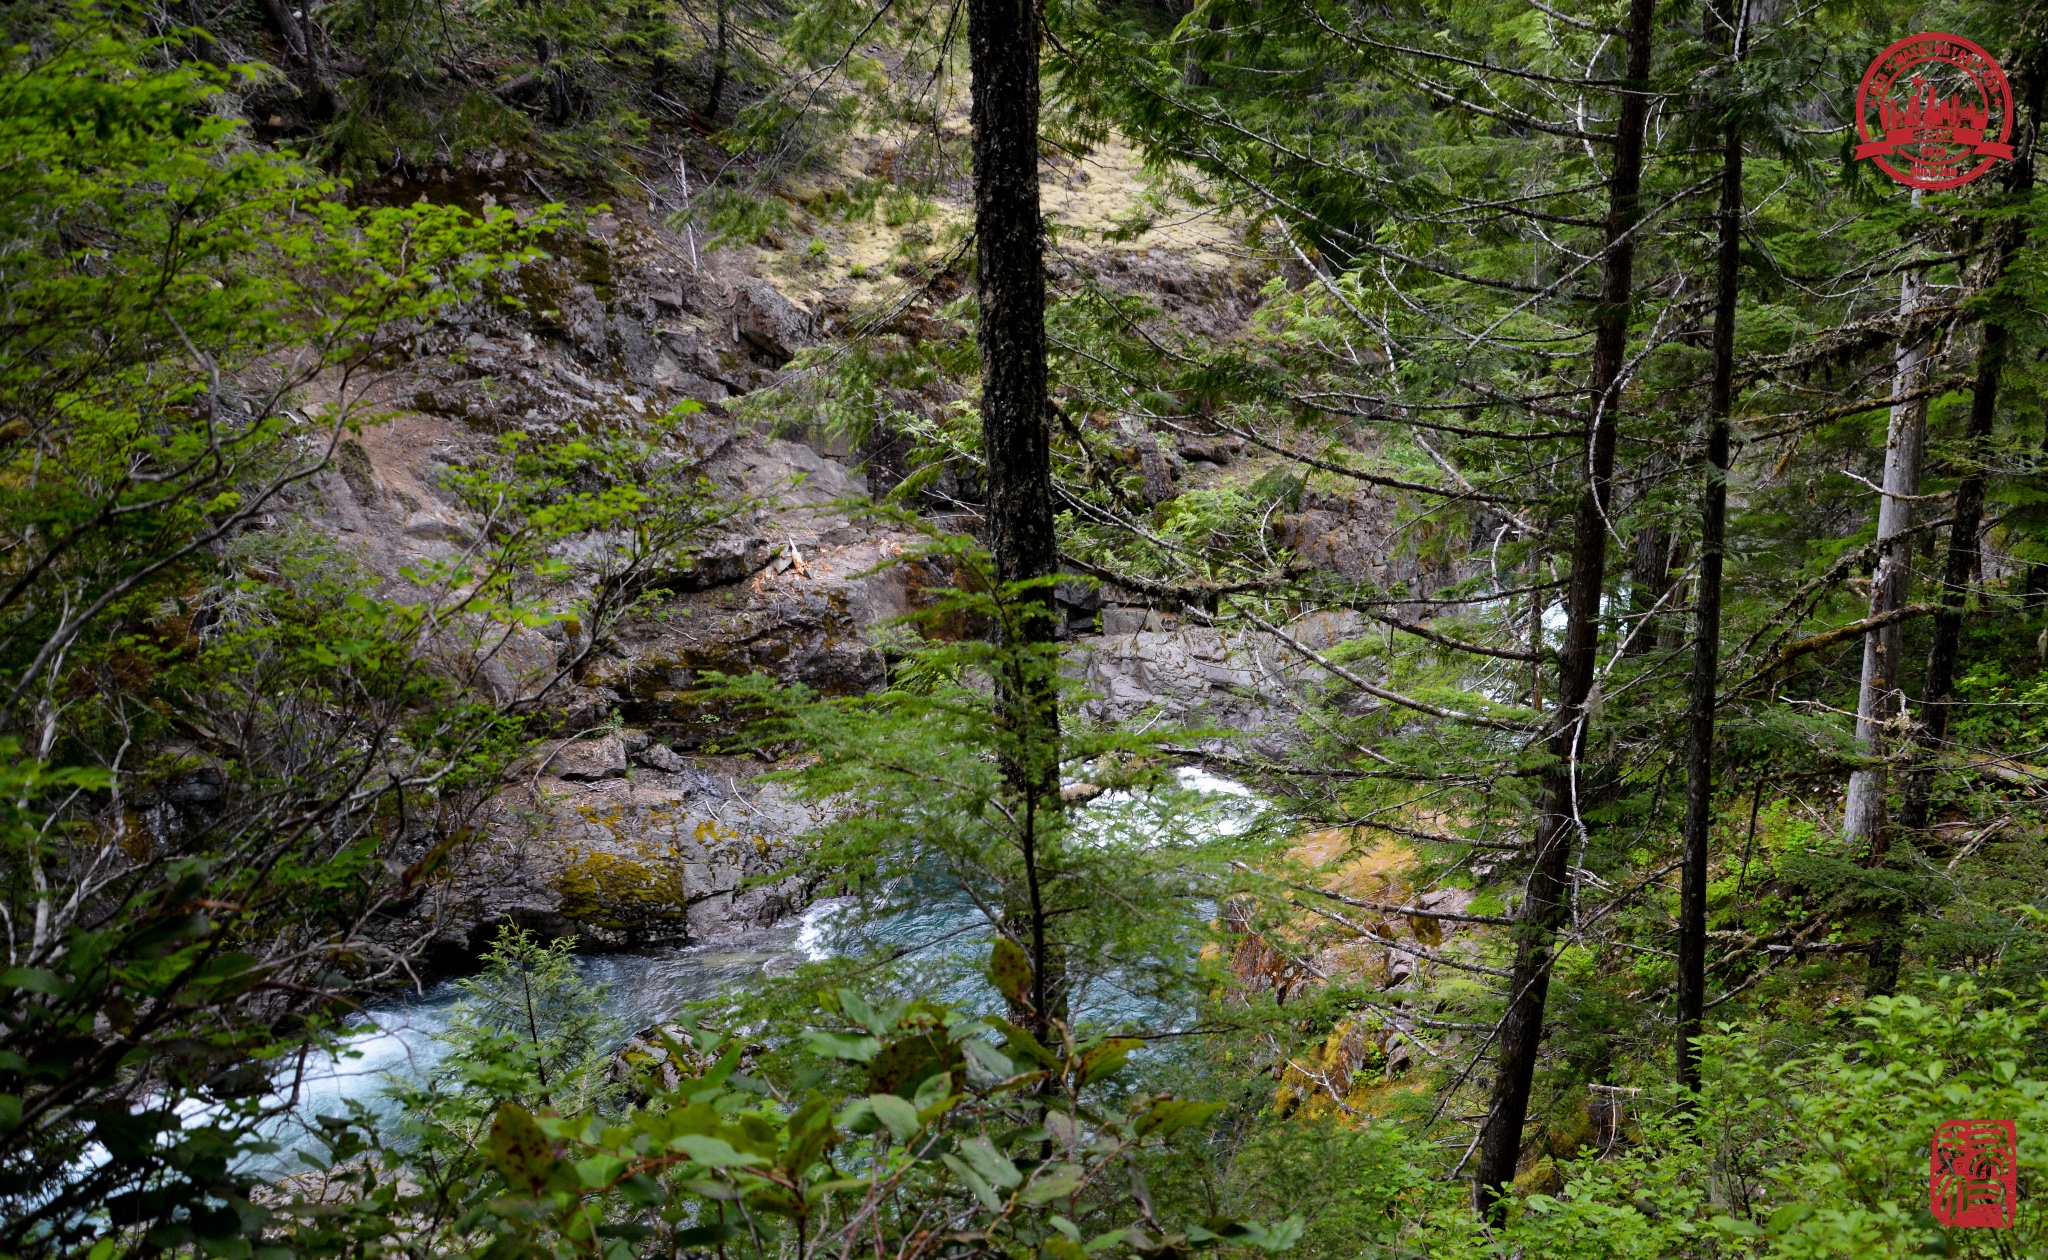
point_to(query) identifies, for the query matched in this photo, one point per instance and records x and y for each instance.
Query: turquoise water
(642, 987)
(397, 1037)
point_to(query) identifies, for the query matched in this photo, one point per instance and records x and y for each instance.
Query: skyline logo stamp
(1973, 1174)
(1934, 111)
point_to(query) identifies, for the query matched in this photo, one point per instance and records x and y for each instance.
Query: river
(398, 1036)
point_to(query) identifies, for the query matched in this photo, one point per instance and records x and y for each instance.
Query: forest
(927, 629)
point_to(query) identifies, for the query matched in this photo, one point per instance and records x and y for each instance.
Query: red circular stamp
(1934, 111)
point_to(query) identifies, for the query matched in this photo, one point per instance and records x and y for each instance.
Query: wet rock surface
(646, 854)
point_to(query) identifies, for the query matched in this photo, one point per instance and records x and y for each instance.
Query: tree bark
(1010, 281)
(204, 47)
(1706, 635)
(286, 22)
(714, 97)
(1002, 37)
(1192, 72)
(1545, 901)
(1649, 574)
(1877, 695)
(1937, 695)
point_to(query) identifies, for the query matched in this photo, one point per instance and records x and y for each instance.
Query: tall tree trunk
(1192, 72)
(1937, 694)
(286, 21)
(1545, 901)
(204, 46)
(1002, 38)
(714, 98)
(2037, 573)
(1010, 281)
(1877, 695)
(1706, 633)
(1649, 576)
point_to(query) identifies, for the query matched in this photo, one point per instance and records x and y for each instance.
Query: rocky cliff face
(621, 827)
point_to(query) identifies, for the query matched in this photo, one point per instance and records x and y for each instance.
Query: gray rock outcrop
(1145, 663)
(770, 322)
(637, 832)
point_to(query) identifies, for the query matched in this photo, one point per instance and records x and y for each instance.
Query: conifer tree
(1405, 237)
(1727, 27)
(1003, 38)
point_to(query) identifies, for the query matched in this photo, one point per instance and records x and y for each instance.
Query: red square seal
(1973, 1174)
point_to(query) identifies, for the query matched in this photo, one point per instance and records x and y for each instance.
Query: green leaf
(857, 1117)
(820, 1191)
(1107, 1058)
(1019, 1042)
(974, 1182)
(519, 1150)
(713, 1152)
(722, 1070)
(899, 1116)
(839, 1046)
(1740, 1228)
(991, 1061)
(1054, 1182)
(33, 980)
(1009, 969)
(809, 1134)
(705, 1188)
(1171, 1115)
(907, 1062)
(777, 1200)
(641, 1190)
(1272, 1238)
(860, 1012)
(229, 974)
(991, 1163)
(598, 1171)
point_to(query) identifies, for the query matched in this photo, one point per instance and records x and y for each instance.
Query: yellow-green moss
(1542, 1177)
(624, 894)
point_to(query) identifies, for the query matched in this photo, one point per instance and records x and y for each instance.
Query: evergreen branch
(1827, 415)
(1391, 697)
(1418, 912)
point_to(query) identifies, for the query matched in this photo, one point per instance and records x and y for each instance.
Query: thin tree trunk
(286, 22)
(302, 46)
(1539, 602)
(1192, 72)
(203, 47)
(1649, 573)
(1546, 899)
(1002, 37)
(1706, 634)
(1939, 692)
(1937, 695)
(1877, 695)
(2037, 574)
(714, 99)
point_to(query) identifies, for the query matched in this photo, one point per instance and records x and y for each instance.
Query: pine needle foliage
(923, 827)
